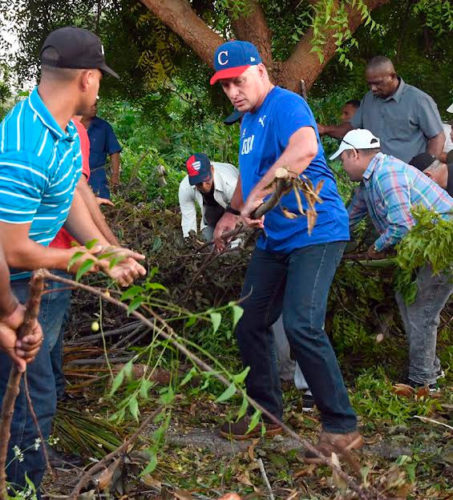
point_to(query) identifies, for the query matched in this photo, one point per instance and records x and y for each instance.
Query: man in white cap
(389, 189)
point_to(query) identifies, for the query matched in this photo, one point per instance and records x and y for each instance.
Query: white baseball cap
(450, 108)
(359, 138)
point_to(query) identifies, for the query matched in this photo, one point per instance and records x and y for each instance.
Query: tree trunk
(302, 64)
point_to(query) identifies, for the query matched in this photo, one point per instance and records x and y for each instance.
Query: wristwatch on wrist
(229, 209)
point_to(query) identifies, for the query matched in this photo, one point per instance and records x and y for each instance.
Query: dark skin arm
(436, 145)
(115, 159)
(335, 131)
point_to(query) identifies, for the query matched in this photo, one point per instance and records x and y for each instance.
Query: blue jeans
(421, 320)
(99, 183)
(297, 285)
(41, 384)
(60, 303)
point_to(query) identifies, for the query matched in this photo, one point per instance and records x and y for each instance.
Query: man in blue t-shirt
(290, 271)
(103, 142)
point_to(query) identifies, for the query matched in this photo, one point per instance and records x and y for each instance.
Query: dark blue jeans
(60, 303)
(295, 284)
(41, 384)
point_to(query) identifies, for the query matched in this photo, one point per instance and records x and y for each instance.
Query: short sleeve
(112, 144)
(23, 181)
(428, 116)
(293, 114)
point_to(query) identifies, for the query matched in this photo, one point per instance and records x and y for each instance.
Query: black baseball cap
(235, 116)
(76, 48)
(198, 168)
(422, 161)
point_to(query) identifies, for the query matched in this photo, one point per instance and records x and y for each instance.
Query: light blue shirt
(40, 165)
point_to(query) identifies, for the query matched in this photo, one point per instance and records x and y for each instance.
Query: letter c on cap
(223, 61)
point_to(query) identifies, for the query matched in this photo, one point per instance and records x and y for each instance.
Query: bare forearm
(115, 159)
(80, 223)
(31, 255)
(96, 214)
(335, 131)
(436, 145)
(237, 200)
(301, 150)
(8, 302)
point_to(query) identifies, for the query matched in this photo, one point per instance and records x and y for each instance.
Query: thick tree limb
(13, 387)
(182, 19)
(253, 27)
(305, 64)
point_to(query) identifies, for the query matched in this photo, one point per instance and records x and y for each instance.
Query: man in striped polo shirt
(40, 165)
(388, 190)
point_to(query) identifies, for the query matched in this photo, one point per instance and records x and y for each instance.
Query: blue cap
(198, 168)
(231, 59)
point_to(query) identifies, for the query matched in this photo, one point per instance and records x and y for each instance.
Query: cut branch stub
(12, 389)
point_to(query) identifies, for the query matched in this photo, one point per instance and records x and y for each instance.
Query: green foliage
(429, 242)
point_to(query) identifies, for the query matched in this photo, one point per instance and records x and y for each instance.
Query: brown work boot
(334, 443)
(238, 430)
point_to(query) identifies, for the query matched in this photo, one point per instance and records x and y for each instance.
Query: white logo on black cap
(196, 165)
(102, 49)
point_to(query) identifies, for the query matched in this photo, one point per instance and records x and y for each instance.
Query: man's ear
(85, 78)
(428, 173)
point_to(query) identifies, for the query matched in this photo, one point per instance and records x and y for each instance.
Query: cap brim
(193, 181)
(450, 109)
(228, 73)
(343, 147)
(233, 118)
(105, 69)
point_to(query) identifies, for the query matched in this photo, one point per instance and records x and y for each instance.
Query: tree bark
(302, 64)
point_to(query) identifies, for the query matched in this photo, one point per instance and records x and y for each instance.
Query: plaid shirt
(389, 190)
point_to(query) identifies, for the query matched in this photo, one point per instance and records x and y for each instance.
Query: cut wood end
(281, 173)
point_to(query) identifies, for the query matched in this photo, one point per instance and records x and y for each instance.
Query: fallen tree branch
(432, 421)
(362, 492)
(102, 463)
(13, 387)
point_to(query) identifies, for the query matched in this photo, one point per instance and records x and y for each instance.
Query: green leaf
(191, 321)
(131, 292)
(227, 393)
(240, 377)
(84, 268)
(156, 286)
(167, 397)
(254, 420)
(243, 409)
(117, 381)
(90, 244)
(135, 304)
(127, 368)
(145, 386)
(188, 376)
(152, 463)
(133, 407)
(115, 261)
(216, 319)
(237, 314)
(75, 258)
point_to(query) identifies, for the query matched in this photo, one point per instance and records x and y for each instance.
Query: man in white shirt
(209, 184)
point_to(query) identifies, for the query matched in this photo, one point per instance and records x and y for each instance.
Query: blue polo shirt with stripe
(40, 165)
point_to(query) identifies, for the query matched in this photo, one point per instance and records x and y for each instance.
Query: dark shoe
(238, 430)
(308, 402)
(430, 389)
(334, 443)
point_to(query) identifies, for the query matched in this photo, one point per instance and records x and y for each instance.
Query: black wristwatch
(232, 210)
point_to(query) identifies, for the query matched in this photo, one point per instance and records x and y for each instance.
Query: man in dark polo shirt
(441, 173)
(405, 119)
(103, 142)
